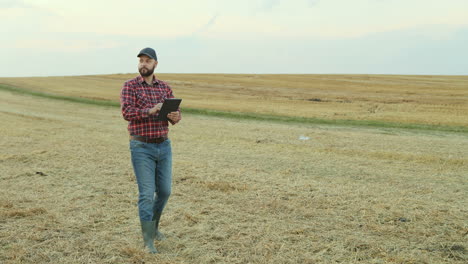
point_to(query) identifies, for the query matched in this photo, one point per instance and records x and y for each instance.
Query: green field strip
(251, 116)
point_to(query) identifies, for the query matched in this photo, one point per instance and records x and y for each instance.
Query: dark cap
(148, 52)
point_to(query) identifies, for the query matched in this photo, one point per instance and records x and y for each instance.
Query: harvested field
(434, 100)
(244, 191)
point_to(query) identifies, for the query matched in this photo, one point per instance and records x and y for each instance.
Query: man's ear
(155, 65)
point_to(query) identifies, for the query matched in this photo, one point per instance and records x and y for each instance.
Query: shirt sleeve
(171, 95)
(129, 106)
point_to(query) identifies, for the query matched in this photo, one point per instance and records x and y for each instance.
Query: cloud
(65, 45)
(313, 3)
(397, 52)
(268, 5)
(207, 26)
(13, 4)
(21, 5)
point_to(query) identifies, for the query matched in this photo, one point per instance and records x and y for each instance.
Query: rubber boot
(158, 235)
(147, 228)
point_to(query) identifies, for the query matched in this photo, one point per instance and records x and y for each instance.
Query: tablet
(169, 105)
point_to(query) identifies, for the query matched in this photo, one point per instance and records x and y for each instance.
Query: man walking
(141, 99)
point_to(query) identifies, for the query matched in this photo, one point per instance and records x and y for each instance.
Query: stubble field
(243, 191)
(433, 100)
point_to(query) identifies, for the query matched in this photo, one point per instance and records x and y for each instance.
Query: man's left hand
(173, 116)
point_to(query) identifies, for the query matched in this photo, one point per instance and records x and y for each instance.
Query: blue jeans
(152, 164)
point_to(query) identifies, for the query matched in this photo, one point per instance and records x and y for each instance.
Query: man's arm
(128, 105)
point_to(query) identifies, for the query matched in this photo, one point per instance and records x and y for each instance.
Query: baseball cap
(148, 52)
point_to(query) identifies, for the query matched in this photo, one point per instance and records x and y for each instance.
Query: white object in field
(301, 137)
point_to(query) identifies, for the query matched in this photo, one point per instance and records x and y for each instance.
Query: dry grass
(436, 100)
(244, 192)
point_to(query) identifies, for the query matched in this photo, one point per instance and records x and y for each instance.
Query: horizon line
(220, 73)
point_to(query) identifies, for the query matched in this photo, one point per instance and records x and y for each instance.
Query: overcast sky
(58, 37)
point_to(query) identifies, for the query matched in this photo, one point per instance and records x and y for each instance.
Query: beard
(145, 72)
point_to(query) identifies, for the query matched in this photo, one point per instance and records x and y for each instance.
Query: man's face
(146, 66)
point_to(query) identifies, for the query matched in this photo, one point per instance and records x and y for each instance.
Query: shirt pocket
(143, 100)
(148, 98)
(156, 96)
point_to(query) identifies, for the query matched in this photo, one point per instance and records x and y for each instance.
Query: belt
(157, 140)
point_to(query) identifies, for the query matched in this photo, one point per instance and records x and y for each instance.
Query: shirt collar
(142, 80)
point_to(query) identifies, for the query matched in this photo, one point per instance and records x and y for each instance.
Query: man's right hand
(155, 109)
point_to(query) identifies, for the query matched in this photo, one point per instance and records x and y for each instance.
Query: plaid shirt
(136, 99)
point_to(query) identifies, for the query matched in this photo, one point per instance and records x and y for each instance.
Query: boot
(147, 228)
(158, 235)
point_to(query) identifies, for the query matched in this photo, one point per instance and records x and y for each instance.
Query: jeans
(152, 164)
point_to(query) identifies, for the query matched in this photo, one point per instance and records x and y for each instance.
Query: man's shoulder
(133, 81)
(162, 83)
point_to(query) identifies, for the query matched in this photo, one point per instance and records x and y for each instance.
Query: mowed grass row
(244, 191)
(396, 99)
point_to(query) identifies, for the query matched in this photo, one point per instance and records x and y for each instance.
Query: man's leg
(144, 166)
(163, 184)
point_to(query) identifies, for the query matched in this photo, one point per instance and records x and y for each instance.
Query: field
(244, 191)
(433, 100)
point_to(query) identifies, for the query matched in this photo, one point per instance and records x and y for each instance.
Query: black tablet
(169, 105)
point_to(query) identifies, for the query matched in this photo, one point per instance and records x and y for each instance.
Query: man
(141, 99)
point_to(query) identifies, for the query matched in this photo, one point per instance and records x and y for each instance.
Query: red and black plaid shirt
(136, 99)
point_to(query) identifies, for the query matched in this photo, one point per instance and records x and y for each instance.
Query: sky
(59, 37)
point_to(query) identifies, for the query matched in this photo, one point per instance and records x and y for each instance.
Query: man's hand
(155, 109)
(174, 116)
